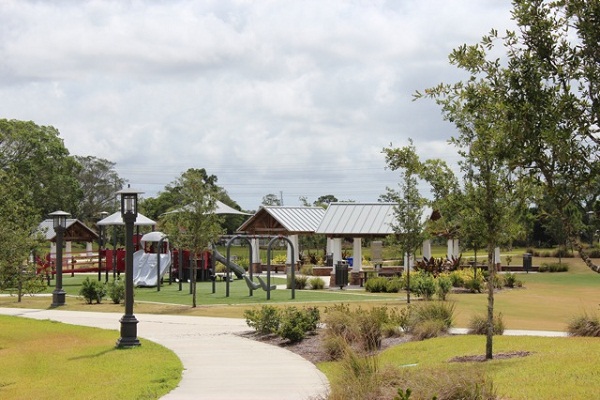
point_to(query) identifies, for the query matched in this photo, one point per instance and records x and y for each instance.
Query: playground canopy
(117, 219)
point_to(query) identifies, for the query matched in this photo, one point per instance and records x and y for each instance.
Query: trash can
(527, 262)
(341, 274)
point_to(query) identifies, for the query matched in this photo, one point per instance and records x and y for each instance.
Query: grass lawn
(37, 353)
(546, 302)
(557, 368)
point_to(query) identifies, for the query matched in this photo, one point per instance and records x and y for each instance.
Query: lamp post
(59, 223)
(129, 198)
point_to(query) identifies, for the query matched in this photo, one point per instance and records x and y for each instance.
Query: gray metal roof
(283, 219)
(358, 219)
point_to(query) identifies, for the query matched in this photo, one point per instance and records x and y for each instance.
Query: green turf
(44, 360)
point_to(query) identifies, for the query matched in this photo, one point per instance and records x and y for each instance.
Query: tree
(553, 102)
(194, 226)
(172, 197)
(18, 221)
(271, 200)
(37, 158)
(99, 183)
(324, 201)
(408, 225)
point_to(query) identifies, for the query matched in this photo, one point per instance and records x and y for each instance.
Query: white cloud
(270, 96)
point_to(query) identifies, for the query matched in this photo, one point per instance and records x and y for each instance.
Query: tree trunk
(489, 354)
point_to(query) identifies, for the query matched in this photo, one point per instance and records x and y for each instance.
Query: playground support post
(101, 241)
(269, 265)
(129, 322)
(229, 243)
(59, 222)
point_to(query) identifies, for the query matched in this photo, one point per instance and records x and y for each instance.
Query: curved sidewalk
(218, 363)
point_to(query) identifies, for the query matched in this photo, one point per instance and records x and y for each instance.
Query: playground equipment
(152, 261)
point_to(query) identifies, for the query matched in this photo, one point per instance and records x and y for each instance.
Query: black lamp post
(129, 198)
(59, 223)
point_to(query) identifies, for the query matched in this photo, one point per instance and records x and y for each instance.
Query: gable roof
(117, 219)
(282, 220)
(76, 231)
(358, 219)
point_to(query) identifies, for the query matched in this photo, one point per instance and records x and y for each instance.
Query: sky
(293, 98)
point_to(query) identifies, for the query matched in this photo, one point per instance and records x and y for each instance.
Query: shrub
(510, 280)
(376, 284)
(594, 253)
(444, 284)
(456, 278)
(92, 290)
(425, 285)
(264, 320)
(428, 329)
(585, 325)
(335, 346)
(339, 321)
(553, 267)
(562, 252)
(301, 281)
(478, 325)
(116, 291)
(420, 316)
(295, 323)
(306, 270)
(393, 285)
(316, 283)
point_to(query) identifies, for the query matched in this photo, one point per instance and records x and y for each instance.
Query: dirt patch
(311, 347)
(499, 356)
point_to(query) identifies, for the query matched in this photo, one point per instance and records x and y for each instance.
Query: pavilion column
(294, 240)
(256, 261)
(427, 249)
(52, 250)
(88, 249)
(68, 250)
(357, 255)
(496, 260)
(336, 249)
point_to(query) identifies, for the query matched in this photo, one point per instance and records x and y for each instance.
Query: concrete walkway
(218, 363)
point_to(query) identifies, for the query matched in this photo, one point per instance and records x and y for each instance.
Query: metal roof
(75, 230)
(117, 219)
(358, 219)
(283, 220)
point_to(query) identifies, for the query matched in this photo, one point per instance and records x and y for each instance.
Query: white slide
(144, 267)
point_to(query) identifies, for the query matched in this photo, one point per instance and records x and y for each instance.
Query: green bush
(376, 284)
(553, 267)
(456, 278)
(92, 290)
(295, 323)
(424, 285)
(510, 280)
(265, 320)
(585, 325)
(316, 283)
(393, 285)
(478, 325)
(116, 291)
(444, 285)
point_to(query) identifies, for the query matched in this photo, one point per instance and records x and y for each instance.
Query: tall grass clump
(316, 283)
(478, 325)
(430, 319)
(584, 325)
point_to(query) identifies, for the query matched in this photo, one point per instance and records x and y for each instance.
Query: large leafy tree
(18, 221)
(553, 102)
(99, 183)
(37, 157)
(173, 197)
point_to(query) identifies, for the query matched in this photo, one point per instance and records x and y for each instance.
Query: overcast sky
(294, 98)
